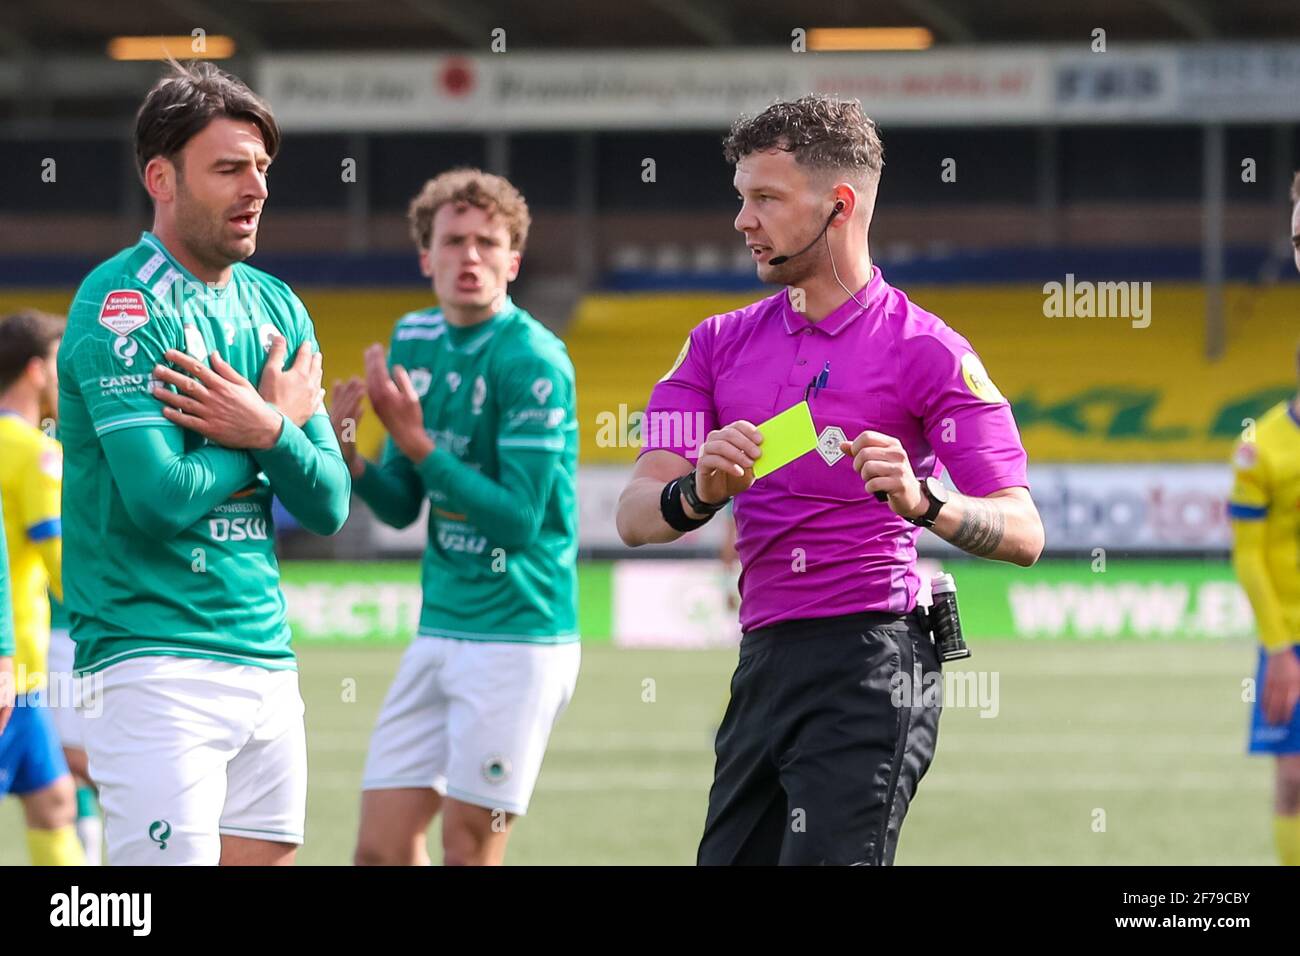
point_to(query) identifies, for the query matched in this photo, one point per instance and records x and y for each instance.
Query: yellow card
(786, 436)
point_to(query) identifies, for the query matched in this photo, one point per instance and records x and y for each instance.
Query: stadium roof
(85, 26)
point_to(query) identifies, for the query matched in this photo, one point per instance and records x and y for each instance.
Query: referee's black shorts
(821, 748)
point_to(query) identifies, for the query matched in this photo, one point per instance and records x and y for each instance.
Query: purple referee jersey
(812, 542)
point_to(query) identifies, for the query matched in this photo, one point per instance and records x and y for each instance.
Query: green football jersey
(489, 390)
(211, 591)
(58, 615)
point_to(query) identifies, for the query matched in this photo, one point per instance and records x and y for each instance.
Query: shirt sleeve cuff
(366, 481)
(986, 487)
(287, 446)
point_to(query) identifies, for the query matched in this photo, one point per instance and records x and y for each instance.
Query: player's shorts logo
(125, 350)
(160, 831)
(496, 769)
(828, 444)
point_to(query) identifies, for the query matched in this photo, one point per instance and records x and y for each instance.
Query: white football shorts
(63, 691)
(471, 719)
(184, 750)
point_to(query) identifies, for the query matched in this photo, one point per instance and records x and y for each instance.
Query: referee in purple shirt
(815, 762)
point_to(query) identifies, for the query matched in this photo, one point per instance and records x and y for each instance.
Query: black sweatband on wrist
(670, 506)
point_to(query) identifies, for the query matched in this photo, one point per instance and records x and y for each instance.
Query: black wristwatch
(692, 497)
(937, 494)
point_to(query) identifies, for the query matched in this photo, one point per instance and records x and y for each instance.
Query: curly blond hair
(466, 186)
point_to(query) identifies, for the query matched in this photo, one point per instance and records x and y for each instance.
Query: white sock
(90, 831)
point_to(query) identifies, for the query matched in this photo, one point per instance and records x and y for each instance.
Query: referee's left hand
(883, 464)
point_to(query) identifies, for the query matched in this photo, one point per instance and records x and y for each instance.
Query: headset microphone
(778, 260)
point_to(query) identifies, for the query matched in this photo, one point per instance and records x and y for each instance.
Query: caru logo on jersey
(547, 417)
(123, 381)
(126, 384)
(479, 396)
(453, 381)
(542, 389)
(237, 529)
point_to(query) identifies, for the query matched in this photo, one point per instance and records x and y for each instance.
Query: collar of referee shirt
(843, 316)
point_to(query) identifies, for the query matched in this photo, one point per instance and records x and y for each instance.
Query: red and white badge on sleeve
(51, 463)
(123, 311)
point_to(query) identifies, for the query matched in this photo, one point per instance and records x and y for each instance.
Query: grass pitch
(1099, 753)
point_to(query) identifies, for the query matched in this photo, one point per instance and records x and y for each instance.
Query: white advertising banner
(708, 89)
(681, 604)
(1150, 508)
(1146, 508)
(626, 90)
(1142, 508)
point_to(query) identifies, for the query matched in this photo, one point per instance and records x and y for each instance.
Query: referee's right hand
(726, 464)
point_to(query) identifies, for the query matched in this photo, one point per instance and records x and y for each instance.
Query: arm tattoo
(981, 528)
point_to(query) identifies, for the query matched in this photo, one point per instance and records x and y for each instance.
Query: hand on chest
(242, 342)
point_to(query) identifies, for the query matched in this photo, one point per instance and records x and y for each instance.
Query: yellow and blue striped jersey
(31, 478)
(6, 606)
(1265, 511)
